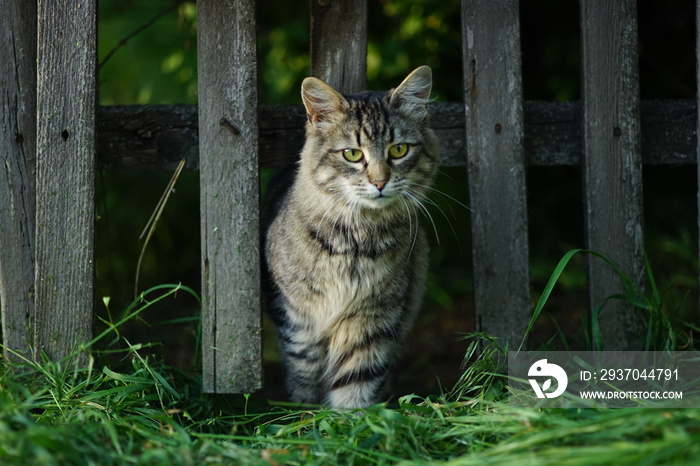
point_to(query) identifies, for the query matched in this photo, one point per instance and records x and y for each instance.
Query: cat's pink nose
(379, 184)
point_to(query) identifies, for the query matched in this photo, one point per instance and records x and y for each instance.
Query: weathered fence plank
(697, 117)
(229, 196)
(157, 137)
(65, 194)
(339, 43)
(612, 162)
(496, 166)
(18, 166)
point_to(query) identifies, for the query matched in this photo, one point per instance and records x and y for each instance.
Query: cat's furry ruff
(346, 257)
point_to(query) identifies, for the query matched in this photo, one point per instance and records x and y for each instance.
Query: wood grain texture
(697, 102)
(157, 137)
(229, 196)
(65, 194)
(496, 167)
(339, 43)
(612, 162)
(17, 171)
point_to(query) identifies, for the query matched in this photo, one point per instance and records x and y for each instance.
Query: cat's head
(373, 149)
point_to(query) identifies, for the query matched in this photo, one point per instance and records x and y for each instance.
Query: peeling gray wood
(496, 167)
(157, 137)
(65, 193)
(17, 171)
(339, 43)
(612, 163)
(229, 196)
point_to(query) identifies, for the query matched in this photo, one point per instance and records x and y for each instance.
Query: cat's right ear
(323, 103)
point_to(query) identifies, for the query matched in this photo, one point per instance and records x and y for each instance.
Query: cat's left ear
(323, 103)
(413, 94)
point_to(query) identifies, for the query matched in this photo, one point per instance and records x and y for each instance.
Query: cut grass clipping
(143, 412)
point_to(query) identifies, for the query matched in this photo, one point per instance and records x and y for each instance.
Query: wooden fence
(53, 137)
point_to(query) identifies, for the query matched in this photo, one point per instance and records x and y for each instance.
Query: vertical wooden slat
(612, 164)
(496, 166)
(229, 196)
(339, 43)
(697, 79)
(17, 170)
(65, 192)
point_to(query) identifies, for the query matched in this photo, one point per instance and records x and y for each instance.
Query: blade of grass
(153, 221)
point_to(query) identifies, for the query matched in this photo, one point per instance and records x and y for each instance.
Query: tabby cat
(346, 257)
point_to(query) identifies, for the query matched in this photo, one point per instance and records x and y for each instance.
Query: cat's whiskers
(437, 191)
(427, 199)
(416, 201)
(423, 196)
(410, 211)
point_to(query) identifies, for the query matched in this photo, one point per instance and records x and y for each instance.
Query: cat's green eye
(352, 155)
(398, 150)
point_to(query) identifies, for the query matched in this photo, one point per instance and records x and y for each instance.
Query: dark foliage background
(159, 66)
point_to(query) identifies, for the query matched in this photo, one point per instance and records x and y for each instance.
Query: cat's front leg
(361, 356)
(304, 365)
(303, 353)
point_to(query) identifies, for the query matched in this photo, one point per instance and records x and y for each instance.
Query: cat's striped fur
(345, 253)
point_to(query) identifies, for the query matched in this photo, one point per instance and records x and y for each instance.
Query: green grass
(664, 330)
(124, 408)
(150, 414)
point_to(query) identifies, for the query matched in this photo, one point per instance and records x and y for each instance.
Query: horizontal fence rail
(157, 137)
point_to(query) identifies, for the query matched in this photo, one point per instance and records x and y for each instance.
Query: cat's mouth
(379, 201)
